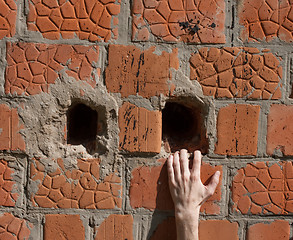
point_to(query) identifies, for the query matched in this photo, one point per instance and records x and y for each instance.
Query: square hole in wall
(84, 124)
(183, 126)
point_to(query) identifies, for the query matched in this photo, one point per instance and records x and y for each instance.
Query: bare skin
(188, 192)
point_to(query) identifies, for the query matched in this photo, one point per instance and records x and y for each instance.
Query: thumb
(211, 187)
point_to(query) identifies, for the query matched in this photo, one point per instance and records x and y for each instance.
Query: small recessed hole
(82, 125)
(183, 127)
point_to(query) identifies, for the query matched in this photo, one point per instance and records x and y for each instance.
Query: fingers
(184, 163)
(196, 165)
(170, 169)
(176, 166)
(211, 187)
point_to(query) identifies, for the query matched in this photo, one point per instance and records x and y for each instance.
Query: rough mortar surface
(135, 73)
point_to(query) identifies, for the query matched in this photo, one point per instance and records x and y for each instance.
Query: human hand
(187, 190)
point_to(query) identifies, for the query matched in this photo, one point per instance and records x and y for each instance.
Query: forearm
(187, 225)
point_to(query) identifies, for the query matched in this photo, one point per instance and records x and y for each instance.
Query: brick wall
(95, 94)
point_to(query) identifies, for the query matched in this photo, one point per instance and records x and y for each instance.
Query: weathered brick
(172, 21)
(10, 138)
(278, 229)
(140, 129)
(88, 19)
(78, 188)
(218, 229)
(132, 71)
(208, 230)
(280, 131)
(115, 227)
(8, 10)
(237, 134)
(61, 226)
(149, 188)
(8, 187)
(236, 72)
(268, 191)
(12, 227)
(31, 67)
(266, 20)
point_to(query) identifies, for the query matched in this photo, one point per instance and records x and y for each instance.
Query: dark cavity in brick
(183, 127)
(82, 122)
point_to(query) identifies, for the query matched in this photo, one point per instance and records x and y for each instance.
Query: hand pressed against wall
(188, 192)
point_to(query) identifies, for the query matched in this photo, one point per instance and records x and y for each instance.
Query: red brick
(266, 20)
(13, 227)
(278, 229)
(33, 67)
(237, 135)
(269, 189)
(280, 130)
(10, 138)
(248, 74)
(76, 188)
(89, 20)
(115, 227)
(7, 185)
(61, 226)
(165, 230)
(140, 129)
(171, 21)
(218, 229)
(8, 10)
(132, 71)
(149, 188)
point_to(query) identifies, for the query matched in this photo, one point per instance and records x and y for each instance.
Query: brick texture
(132, 71)
(14, 228)
(115, 227)
(31, 68)
(61, 226)
(88, 19)
(278, 229)
(172, 21)
(261, 188)
(140, 129)
(7, 18)
(8, 187)
(218, 229)
(208, 230)
(237, 135)
(235, 72)
(78, 188)
(266, 20)
(149, 188)
(10, 138)
(165, 230)
(280, 130)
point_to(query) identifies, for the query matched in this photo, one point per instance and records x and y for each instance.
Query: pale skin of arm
(188, 192)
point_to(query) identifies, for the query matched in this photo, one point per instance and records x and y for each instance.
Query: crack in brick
(14, 228)
(79, 188)
(266, 20)
(261, 188)
(93, 20)
(8, 13)
(235, 72)
(176, 20)
(33, 67)
(8, 198)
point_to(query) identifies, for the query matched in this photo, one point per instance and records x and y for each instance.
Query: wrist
(190, 215)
